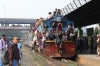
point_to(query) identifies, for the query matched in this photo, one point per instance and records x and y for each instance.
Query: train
(68, 46)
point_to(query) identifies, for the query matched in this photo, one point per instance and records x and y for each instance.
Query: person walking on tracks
(2, 48)
(13, 52)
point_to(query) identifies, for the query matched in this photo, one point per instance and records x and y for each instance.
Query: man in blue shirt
(20, 53)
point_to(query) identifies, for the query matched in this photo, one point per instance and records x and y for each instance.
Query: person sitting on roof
(55, 12)
(59, 13)
(50, 15)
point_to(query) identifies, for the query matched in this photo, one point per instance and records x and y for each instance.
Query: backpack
(5, 56)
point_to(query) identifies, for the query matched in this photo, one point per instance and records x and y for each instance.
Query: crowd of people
(88, 44)
(10, 51)
(56, 34)
(56, 13)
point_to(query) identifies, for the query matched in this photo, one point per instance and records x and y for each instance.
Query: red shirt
(60, 27)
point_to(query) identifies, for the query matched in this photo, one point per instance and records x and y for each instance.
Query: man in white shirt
(50, 16)
(2, 47)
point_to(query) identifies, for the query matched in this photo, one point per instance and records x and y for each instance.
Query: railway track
(51, 61)
(58, 62)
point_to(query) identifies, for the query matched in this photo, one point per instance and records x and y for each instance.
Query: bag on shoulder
(5, 56)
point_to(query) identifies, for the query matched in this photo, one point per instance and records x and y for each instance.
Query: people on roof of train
(55, 12)
(55, 34)
(58, 13)
(50, 16)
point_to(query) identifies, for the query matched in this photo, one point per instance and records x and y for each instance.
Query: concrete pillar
(79, 31)
(2, 25)
(6, 25)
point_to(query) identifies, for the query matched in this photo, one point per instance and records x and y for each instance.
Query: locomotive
(68, 46)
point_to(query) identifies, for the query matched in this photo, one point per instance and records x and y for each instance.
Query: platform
(89, 60)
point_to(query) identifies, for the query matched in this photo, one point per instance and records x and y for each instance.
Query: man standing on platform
(2, 47)
(13, 51)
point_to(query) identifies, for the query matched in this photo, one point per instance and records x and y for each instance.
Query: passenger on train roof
(59, 13)
(55, 12)
(50, 16)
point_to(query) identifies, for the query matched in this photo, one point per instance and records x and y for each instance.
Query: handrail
(5, 27)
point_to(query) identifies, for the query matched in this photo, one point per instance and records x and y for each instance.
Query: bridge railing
(73, 6)
(11, 27)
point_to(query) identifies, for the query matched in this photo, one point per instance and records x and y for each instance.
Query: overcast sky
(30, 8)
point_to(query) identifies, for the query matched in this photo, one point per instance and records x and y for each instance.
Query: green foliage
(96, 31)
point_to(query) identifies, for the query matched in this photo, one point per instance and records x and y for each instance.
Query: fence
(28, 38)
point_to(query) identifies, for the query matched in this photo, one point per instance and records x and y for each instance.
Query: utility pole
(4, 15)
(5, 21)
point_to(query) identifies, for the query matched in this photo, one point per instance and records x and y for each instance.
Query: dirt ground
(31, 59)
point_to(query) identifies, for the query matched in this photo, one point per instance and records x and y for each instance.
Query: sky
(29, 8)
